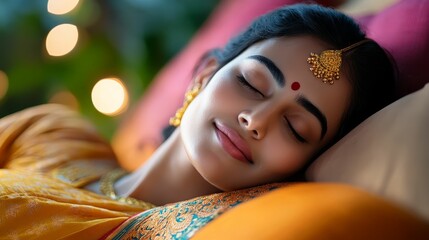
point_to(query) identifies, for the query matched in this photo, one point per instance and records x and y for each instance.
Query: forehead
(290, 55)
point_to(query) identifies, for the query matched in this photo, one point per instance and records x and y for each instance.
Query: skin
(266, 118)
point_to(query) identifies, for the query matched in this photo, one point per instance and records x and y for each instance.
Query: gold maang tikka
(189, 97)
(326, 66)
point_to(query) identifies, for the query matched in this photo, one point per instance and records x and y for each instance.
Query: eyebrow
(274, 70)
(303, 101)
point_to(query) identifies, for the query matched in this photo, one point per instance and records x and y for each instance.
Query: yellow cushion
(316, 211)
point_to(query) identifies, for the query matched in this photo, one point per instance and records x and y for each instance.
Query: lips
(232, 143)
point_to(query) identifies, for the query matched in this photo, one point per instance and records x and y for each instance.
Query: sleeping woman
(257, 112)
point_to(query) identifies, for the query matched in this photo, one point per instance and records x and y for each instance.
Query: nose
(252, 124)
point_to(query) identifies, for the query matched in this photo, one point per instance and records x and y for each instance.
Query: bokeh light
(4, 83)
(60, 7)
(62, 39)
(110, 96)
(65, 98)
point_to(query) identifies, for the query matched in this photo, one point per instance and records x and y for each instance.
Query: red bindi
(295, 86)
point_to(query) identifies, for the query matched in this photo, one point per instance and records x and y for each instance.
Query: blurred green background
(129, 39)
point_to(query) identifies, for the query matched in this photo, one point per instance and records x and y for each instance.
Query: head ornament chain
(326, 66)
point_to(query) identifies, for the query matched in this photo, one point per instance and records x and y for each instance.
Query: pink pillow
(403, 29)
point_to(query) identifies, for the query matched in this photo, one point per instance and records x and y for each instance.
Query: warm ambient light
(59, 7)
(65, 98)
(110, 96)
(4, 83)
(61, 39)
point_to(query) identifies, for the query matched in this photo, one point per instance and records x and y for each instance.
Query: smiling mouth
(232, 143)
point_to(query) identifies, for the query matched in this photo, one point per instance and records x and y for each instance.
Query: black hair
(369, 67)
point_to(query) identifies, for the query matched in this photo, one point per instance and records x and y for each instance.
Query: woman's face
(263, 115)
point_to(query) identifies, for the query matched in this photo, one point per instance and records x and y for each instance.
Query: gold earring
(327, 65)
(189, 97)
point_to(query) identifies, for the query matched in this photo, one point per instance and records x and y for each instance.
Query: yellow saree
(46, 154)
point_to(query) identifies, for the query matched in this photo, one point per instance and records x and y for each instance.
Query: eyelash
(295, 133)
(243, 82)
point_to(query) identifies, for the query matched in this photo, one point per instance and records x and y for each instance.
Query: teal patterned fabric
(183, 219)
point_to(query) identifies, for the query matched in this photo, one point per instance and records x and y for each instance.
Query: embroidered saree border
(182, 220)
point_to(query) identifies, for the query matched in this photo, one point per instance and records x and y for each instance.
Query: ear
(205, 72)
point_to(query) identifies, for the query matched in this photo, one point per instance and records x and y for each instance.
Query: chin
(221, 184)
(227, 187)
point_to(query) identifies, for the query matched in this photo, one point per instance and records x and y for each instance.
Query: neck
(167, 176)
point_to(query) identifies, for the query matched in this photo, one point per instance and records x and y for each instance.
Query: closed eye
(243, 82)
(295, 133)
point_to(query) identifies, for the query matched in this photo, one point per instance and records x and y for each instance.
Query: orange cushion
(316, 211)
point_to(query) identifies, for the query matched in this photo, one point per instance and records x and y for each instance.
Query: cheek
(221, 88)
(215, 94)
(284, 159)
(214, 101)
(221, 96)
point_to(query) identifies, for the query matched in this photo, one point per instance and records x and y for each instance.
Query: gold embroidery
(106, 187)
